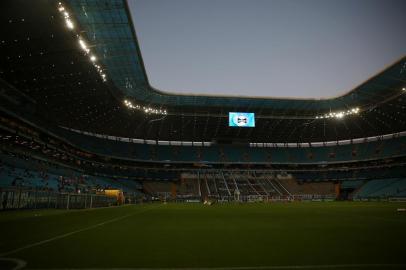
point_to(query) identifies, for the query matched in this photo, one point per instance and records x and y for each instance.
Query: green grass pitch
(319, 235)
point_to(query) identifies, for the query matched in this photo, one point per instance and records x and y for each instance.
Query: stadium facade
(77, 107)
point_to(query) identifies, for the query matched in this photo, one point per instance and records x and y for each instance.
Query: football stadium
(101, 170)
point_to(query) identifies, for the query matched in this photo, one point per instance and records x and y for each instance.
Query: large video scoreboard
(241, 119)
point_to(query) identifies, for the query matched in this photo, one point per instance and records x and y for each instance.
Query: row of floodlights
(82, 43)
(342, 114)
(339, 115)
(148, 110)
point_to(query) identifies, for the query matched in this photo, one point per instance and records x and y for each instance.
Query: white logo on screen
(240, 120)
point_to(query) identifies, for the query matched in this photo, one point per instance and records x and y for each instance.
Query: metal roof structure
(90, 76)
(109, 27)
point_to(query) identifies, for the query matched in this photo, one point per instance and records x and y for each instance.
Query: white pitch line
(69, 233)
(281, 267)
(20, 264)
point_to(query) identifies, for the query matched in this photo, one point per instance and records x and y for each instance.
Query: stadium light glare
(147, 110)
(66, 15)
(82, 43)
(404, 89)
(69, 24)
(339, 114)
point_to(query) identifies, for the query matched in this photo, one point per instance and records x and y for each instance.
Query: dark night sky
(279, 48)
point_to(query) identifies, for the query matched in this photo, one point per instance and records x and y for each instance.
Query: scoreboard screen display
(241, 119)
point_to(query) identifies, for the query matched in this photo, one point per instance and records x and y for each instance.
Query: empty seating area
(75, 162)
(308, 188)
(167, 190)
(23, 172)
(352, 184)
(237, 153)
(231, 185)
(382, 188)
(383, 171)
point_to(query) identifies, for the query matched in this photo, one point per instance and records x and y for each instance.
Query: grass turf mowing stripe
(182, 236)
(7, 253)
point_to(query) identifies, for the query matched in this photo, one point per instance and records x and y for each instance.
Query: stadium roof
(81, 62)
(108, 25)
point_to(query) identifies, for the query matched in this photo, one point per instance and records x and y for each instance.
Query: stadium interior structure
(78, 116)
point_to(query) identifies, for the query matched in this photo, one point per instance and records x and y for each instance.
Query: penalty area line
(19, 264)
(281, 267)
(7, 253)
